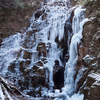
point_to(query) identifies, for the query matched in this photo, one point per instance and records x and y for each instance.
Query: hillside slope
(15, 15)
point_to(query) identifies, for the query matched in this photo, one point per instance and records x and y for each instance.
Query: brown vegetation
(15, 15)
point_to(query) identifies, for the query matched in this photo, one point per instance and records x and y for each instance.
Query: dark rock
(41, 71)
(44, 16)
(32, 78)
(93, 87)
(23, 65)
(27, 55)
(38, 14)
(28, 43)
(1, 42)
(66, 57)
(29, 33)
(8, 87)
(44, 60)
(41, 48)
(58, 75)
(39, 63)
(73, 2)
(86, 93)
(11, 67)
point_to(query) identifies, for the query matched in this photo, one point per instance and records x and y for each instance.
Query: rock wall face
(89, 53)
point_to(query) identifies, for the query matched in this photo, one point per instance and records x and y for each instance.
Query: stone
(82, 51)
(7, 87)
(23, 65)
(30, 33)
(38, 68)
(1, 41)
(90, 79)
(88, 60)
(81, 80)
(27, 55)
(12, 66)
(38, 14)
(66, 57)
(41, 71)
(92, 89)
(41, 48)
(44, 60)
(44, 16)
(39, 63)
(58, 75)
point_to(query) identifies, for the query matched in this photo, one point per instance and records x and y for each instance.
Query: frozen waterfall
(27, 58)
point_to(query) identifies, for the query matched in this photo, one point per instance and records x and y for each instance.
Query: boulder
(93, 83)
(8, 91)
(12, 66)
(27, 55)
(33, 78)
(24, 65)
(30, 33)
(41, 48)
(38, 68)
(58, 75)
(38, 14)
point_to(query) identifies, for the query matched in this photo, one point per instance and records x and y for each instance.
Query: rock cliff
(91, 40)
(90, 83)
(15, 15)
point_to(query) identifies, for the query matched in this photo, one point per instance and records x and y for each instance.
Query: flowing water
(39, 42)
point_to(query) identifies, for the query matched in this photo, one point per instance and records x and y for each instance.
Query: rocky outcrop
(58, 75)
(89, 52)
(27, 78)
(92, 88)
(8, 91)
(38, 14)
(41, 48)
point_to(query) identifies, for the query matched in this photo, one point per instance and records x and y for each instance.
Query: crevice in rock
(58, 71)
(58, 75)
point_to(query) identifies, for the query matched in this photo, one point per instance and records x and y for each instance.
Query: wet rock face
(82, 51)
(91, 43)
(92, 88)
(73, 2)
(10, 91)
(26, 78)
(41, 48)
(38, 14)
(58, 75)
(0, 42)
(11, 67)
(27, 55)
